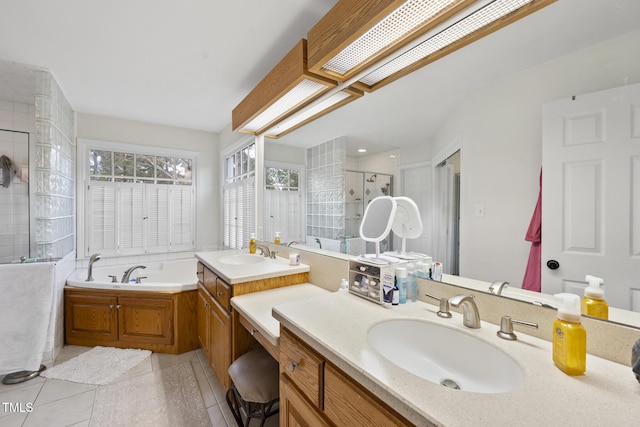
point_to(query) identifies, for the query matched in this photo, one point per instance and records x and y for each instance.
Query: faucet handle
(114, 278)
(273, 254)
(506, 327)
(139, 279)
(443, 311)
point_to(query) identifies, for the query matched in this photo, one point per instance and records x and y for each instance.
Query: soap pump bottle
(569, 338)
(593, 303)
(276, 239)
(252, 244)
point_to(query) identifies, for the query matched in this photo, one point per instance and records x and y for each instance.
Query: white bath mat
(100, 365)
(165, 398)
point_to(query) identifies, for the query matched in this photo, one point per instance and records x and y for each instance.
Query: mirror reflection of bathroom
(447, 213)
(14, 196)
(361, 188)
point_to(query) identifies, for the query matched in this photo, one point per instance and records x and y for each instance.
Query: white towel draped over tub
(26, 294)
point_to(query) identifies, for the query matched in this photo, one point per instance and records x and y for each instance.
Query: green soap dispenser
(569, 338)
(593, 303)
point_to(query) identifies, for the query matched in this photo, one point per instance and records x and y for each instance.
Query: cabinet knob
(292, 366)
(219, 294)
(111, 306)
(118, 306)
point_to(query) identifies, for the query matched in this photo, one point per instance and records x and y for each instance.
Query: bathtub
(164, 276)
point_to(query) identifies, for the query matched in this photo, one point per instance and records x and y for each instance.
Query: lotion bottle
(593, 303)
(401, 279)
(276, 239)
(252, 244)
(569, 338)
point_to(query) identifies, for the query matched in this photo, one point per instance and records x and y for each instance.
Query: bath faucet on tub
(127, 273)
(92, 259)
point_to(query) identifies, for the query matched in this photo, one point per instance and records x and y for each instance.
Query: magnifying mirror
(376, 223)
(406, 224)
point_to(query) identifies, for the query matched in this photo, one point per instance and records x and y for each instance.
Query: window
(239, 197)
(283, 201)
(138, 201)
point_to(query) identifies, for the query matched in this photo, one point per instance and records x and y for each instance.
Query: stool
(254, 390)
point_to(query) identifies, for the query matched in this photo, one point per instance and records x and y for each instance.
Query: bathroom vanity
(330, 372)
(221, 276)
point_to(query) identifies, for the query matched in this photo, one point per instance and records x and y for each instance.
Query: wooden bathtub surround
(163, 322)
(220, 331)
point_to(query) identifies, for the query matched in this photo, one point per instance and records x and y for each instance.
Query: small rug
(169, 397)
(100, 365)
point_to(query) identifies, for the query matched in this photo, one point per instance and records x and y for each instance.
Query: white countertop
(256, 306)
(336, 325)
(239, 273)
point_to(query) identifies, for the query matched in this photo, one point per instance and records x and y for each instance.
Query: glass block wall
(54, 177)
(326, 189)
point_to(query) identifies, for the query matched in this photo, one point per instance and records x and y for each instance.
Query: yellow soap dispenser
(593, 303)
(252, 244)
(569, 337)
(276, 239)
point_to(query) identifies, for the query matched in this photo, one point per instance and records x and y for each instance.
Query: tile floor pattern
(59, 403)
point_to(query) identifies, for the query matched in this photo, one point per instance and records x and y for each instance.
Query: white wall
(209, 211)
(500, 127)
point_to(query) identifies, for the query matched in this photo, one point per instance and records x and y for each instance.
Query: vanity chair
(254, 390)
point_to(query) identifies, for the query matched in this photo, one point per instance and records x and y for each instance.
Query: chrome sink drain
(450, 383)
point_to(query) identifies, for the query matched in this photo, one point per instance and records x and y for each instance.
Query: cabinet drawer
(302, 365)
(200, 272)
(359, 408)
(209, 281)
(223, 294)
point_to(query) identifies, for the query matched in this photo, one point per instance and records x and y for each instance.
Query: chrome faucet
(93, 258)
(264, 248)
(470, 315)
(319, 242)
(497, 287)
(293, 242)
(127, 273)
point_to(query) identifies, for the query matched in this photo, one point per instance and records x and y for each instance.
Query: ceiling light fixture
(362, 150)
(288, 87)
(357, 33)
(490, 17)
(314, 111)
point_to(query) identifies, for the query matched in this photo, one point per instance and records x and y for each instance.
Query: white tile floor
(62, 403)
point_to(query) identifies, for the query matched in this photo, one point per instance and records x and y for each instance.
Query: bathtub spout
(127, 273)
(92, 259)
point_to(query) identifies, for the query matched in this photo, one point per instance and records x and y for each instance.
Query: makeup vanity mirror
(376, 223)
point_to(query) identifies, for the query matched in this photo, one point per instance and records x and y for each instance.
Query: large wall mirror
(486, 101)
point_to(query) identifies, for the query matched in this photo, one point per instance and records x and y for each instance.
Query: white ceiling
(189, 63)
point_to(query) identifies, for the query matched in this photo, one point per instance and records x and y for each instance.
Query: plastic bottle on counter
(401, 279)
(569, 338)
(412, 283)
(252, 244)
(276, 239)
(593, 303)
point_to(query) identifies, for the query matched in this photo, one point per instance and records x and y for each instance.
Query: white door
(591, 194)
(416, 184)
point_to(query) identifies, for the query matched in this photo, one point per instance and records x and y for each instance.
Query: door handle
(553, 264)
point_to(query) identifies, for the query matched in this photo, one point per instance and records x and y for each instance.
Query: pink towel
(532, 276)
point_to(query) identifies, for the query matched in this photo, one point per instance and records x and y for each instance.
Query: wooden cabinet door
(204, 320)
(220, 345)
(295, 410)
(92, 318)
(145, 320)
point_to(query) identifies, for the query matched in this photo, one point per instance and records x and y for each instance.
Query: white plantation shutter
(130, 218)
(181, 203)
(239, 213)
(101, 223)
(282, 213)
(157, 197)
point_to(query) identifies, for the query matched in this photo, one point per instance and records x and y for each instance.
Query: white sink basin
(445, 356)
(242, 259)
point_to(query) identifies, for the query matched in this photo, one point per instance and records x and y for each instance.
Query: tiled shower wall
(326, 189)
(54, 176)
